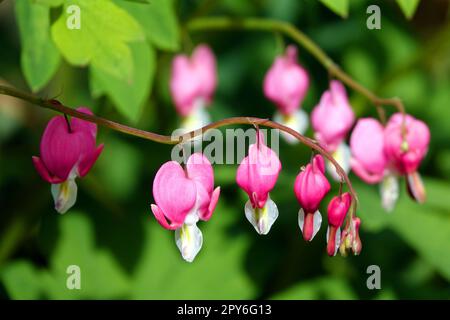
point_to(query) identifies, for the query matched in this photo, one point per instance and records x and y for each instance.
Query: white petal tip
(297, 121)
(262, 219)
(189, 240)
(64, 195)
(389, 190)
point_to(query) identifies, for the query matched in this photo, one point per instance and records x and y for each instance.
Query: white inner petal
(64, 195)
(262, 219)
(389, 190)
(317, 221)
(337, 239)
(297, 121)
(342, 155)
(189, 240)
(198, 118)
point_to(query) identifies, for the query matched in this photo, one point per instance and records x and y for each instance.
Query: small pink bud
(257, 175)
(67, 153)
(337, 210)
(286, 82)
(310, 188)
(356, 243)
(367, 147)
(193, 79)
(406, 142)
(333, 117)
(350, 239)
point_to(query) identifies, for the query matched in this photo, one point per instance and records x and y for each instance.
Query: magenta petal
(86, 164)
(258, 172)
(43, 172)
(173, 192)
(199, 169)
(366, 176)
(159, 215)
(83, 125)
(212, 205)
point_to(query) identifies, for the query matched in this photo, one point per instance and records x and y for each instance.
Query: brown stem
(57, 106)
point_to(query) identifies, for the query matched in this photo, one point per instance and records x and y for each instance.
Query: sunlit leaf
(408, 7)
(339, 7)
(105, 48)
(39, 57)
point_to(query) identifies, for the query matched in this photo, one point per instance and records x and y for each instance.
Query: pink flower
(257, 175)
(310, 188)
(406, 141)
(286, 82)
(333, 117)
(67, 153)
(406, 153)
(183, 196)
(193, 80)
(367, 147)
(337, 210)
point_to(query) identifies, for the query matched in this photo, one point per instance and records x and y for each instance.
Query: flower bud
(337, 210)
(310, 188)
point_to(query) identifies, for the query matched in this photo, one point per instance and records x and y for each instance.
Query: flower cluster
(381, 154)
(184, 195)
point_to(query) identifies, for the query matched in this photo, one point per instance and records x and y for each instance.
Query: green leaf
(408, 7)
(39, 57)
(128, 96)
(217, 271)
(102, 40)
(21, 280)
(339, 7)
(159, 21)
(51, 3)
(330, 287)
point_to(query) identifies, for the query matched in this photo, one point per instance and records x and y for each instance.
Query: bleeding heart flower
(332, 119)
(337, 210)
(367, 148)
(350, 239)
(183, 196)
(192, 85)
(286, 84)
(257, 175)
(406, 142)
(310, 188)
(67, 152)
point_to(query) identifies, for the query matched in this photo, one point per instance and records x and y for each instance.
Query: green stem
(57, 106)
(261, 24)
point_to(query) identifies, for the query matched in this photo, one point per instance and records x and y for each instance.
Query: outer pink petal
(205, 62)
(173, 192)
(43, 172)
(212, 205)
(184, 84)
(83, 125)
(199, 169)
(87, 162)
(258, 172)
(159, 215)
(367, 148)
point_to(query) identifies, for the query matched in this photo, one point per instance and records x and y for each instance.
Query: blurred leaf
(361, 66)
(217, 271)
(321, 288)
(119, 168)
(106, 47)
(426, 228)
(39, 57)
(408, 7)
(128, 96)
(52, 3)
(21, 281)
(158, 20)
(339, 7)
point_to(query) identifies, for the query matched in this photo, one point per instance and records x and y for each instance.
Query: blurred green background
(112, 235)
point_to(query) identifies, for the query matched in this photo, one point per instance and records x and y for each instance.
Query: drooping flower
(337, 210)
(310, 188)
(68, 150)
(369, 161)
(257, 175)
(406, 144)
(192, 85)
(184, 196)
(331, 120)
(286, 84)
